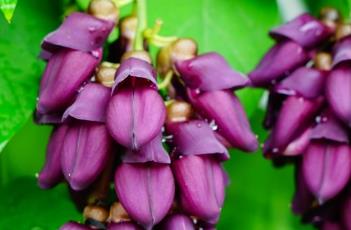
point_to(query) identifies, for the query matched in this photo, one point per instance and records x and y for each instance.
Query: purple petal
(48, 118)
(295, 115)
(196, 137)
(177, 222)
(224, 108)
(91, 104)
(74, 226)
(210, 71)
(79, 31)
(276, 63)
(304, 30)
(303, 198)
(329, 128)
(152, 151)
(338, 93)
(126, 225)
(275, 102)
(65, 73)
(342, 52)
(347, 213)
(137, 68)
(51, 174)
(135, 116)
(305, 82)
(86, 150)
(327, 169)
(299, 145)
(145, 191)
(201, 184)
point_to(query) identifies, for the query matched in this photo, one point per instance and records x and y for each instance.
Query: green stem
(141, 14)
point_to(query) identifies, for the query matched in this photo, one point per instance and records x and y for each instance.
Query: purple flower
(136, 111)
(195, 137)
(125, 225)
(224, 108)
(346, 213)
(51, 174)
(146, 191)
(79, 31)
(85, 152)
(326, 168)
(338, 92)
(201, 182)
(74, 226)
(177, 222)
(342, 52)
(65, 73)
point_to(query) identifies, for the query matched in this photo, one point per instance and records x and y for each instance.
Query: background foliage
(259, 195)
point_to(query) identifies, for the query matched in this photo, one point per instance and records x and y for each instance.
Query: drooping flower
(177, 222)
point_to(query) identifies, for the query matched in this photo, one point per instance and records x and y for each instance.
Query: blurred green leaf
(8, 8)
(19, 66)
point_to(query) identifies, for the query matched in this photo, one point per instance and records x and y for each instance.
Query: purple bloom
(327, 168)
(125, 225)
(195, 137)
(224, 108)
(299, 145)
(146, 191)
(153, 151)
(90, 104)
(338, 92)
(209, 72)
(201, 182)
(342, 52)
(74, 226)
(51, 174)
(79, 31)
(136, 111)
(275, 64)
(65, 72)
(85, 152)
(304, 30)
(177, 222)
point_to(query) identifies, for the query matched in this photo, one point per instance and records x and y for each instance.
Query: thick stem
(141, 14)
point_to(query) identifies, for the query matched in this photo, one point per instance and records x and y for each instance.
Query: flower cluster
(308, 74)
(112, 126)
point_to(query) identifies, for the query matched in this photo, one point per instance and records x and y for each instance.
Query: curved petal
(126, 225)
(86, 151)
(65, 73)
(195, 137)
(51, 174)
(146, 191)
(152, 151)
(201, 184)
(224, 108)
(177, 222)
(47, 118)
(210, 71)
(91, 104)
(306, 82)
(304, 30)
(328, 127)
(137, 68)
(295, 116)
(79, 31)
(276, 63)
(299, 145)
(135, 116)
(327, 169)
(342, 52)
(338, 92)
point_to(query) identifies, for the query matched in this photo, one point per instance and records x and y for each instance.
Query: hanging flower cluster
(161, 156)
(308, 75)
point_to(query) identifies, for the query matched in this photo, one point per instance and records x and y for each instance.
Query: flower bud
(179, 111)
(118, 213)
(146, 191)
(139, 54)
(105, 74)
(86, 150)
(323, 61)
(95, 212)
(127, 225)
(176, 222)
(51, 174)
(329, 13)
(327, 168)
(104, 9)
(342, 31)
(201, 184)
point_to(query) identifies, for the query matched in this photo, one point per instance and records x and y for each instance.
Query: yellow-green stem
(141, 14)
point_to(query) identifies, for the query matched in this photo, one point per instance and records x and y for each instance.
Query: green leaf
(8, 8)
(19, 66)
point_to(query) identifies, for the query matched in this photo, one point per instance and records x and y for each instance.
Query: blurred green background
(258, 196)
